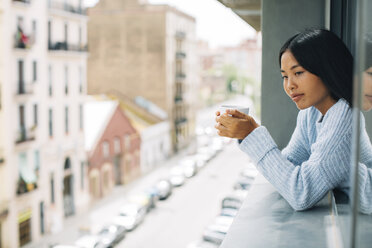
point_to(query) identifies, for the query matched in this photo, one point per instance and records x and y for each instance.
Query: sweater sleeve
(296, 151)
(301, 185)
(365, 189)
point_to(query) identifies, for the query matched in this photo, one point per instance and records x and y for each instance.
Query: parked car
(201, 159)
(177, 177)
(243, 183)
(232, 212)
(64, 246)
(249, 173)
(111, 235)
(164, 189)
(89, 241)
(217, 144)
(130, 216)
(217, 231)
(152, 194)
(202, 244)
(234, 199)
(143, 199)
(207, 151)
(189, 170)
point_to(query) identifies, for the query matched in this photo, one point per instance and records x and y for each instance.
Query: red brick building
(113, 147)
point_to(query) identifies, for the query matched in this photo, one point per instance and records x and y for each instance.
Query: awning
(248, 10)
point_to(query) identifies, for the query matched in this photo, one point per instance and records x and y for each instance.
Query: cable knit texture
(316, 160)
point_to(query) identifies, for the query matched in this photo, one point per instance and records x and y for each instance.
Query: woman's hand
(234, 124)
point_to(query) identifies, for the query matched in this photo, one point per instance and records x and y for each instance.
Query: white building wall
(53, 151)
(155, 145)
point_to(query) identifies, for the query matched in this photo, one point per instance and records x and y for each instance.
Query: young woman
(316, 68)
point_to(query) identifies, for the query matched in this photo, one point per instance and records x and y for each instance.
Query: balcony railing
(180, 35)
(25, 134)
(4, 208)
(64, 46)
(25, 88)
(180, 76)
(22, 40)
(178, 99)
(2, 159)
(67, 7)
(180, 121)
(180, 55)
(25, 187)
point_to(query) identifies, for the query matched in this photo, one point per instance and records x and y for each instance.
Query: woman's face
(303, 87)
(367, 89)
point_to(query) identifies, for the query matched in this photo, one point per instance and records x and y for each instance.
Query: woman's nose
(291, 84)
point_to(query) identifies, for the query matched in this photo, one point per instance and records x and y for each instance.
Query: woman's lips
(296, 98)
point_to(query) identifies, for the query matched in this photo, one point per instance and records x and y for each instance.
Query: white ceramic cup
(242, 109)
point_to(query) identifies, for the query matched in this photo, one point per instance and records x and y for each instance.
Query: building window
(82, 175)
(127, 142)
(52, 198)
(35, 115)
(66, 80)
(25, 228)
(50, 123)
(81, 117)
(22, 125)
(34, 71)
(117, 148)
(80, 79)
(106, 149)
(42, 227)
(37, 161)
(66, 120)
(50, 76)
(34, 29)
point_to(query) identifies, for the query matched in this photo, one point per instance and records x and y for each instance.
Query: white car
(89, 241)
(65, 246)
(217, 231)
(177, 177)
(130, 216)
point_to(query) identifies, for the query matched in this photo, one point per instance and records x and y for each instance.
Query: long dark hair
(322, 53)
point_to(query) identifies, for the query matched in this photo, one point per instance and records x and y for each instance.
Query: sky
(214, 22)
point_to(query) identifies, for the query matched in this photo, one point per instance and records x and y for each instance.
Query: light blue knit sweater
(316, 160)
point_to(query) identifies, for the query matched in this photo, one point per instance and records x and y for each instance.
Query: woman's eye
(369, 73)
(298, 73)
(283, 77)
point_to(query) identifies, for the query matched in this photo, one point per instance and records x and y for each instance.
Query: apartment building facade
(138, 49)
(43, 65)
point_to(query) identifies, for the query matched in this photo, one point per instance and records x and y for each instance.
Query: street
(182, 218)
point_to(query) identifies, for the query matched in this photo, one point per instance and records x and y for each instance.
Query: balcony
(4, 209)
(180, 76)
(180, 121)
(178, 99)
(26, 183)
(22, 40)
(55, 5)
(24, 89)
(180, 55)
(64, 46)
(2, 159)
(180, 35)
(25, 134)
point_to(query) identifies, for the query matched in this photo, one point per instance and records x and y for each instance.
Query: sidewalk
(79, 224)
